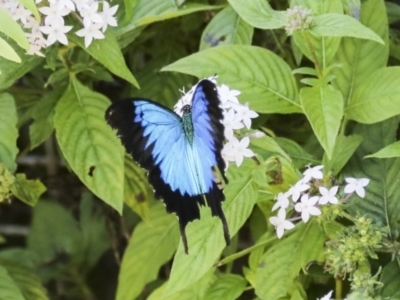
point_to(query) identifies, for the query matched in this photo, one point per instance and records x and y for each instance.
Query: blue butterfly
(180, 153)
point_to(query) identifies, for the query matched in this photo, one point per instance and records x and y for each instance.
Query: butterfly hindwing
(179, 171)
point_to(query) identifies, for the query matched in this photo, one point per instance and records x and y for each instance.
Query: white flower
(282, 201)
(328, 196)
(107, 15)
(245, 115)
(280, 223)
(327, 296)
(307, 207)
(56, 32)
(90, 33)
(237, 150)
(297, 189)
(54, 14)
(22, 14)
(356, 185)
(90, 14)
(231, 123)
(314, 172)
(34, 50)
(228, 97)
(64, 4)
(81, 4)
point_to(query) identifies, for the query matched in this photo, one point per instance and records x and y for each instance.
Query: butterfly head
(186, 109)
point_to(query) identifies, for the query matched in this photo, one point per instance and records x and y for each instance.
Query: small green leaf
(391, 280)
(323, 106)
(345, 146)
(205, 236)
(8, 52)
(30, 4)
(284, 260)
(264, 79)
(8, 131)
(341, 25)
(377, 98)
(11, 28)
(26, 190)
(108, 53)
(88, 144)
(227, 287)
(393, 150)
(152, 244)
(226, 28)
(259, 14)
(8, 289)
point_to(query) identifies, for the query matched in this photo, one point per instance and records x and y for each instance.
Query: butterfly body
(180, 152)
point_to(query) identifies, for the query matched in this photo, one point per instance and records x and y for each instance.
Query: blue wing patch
(180, 153)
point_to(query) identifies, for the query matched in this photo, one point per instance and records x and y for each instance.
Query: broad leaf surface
(227, 287)
(391, 280)
(8, 289)
(88, 143)
(8, 131)
(26, 190)
(264, 79)
(8, 52)
(11, 28)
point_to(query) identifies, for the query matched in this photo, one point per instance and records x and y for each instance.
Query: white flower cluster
(94, 21)
(298, 18)
(307, 204)
(236, 116)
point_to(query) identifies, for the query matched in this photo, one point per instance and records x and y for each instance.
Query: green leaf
(264, 79)
(8, 289)
(91, 148)
(53, 220)
(259, 14)
(11, 28)
(345, 146)
(359, 58)
(108, 53)
(205, 237)
(393, 150)
(28, 191)
(8, 52)
(324, 47)
(323, 106)
(382, 193)
(151, 245)
(269, 144)
(393, 11)
(341, 25)
(227, 287)
(284, 260)
(43, 113)
(227, 28)
(377, 98)
(8, 131)
(30, 4)
(137, 191)
(27, 281)
(297, 154)
(391, 280)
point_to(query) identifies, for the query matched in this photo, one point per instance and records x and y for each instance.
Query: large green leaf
(8, 52)
(259, 14)
(345, 146)
(28, 282)
(323, 106)
(152, 244)
(358, 57)
(264, 79)
(8, 131)
(377, 98)
(393, 150)
(205, 236)
(8, 289)
(227, 287)
(391, 280)
(381, 202)
(281, 263)
(226, 28)
(91, 148)
(42, 125)
(341, 25)
(324, 47)
(11, 28)
(108, 53)
(27, 190)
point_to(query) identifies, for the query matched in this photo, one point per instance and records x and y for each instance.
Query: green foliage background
(88, 226)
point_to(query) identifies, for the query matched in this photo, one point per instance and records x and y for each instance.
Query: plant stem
(338, 288)
(312, 52)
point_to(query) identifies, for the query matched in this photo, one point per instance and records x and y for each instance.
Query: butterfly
(180, 153)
